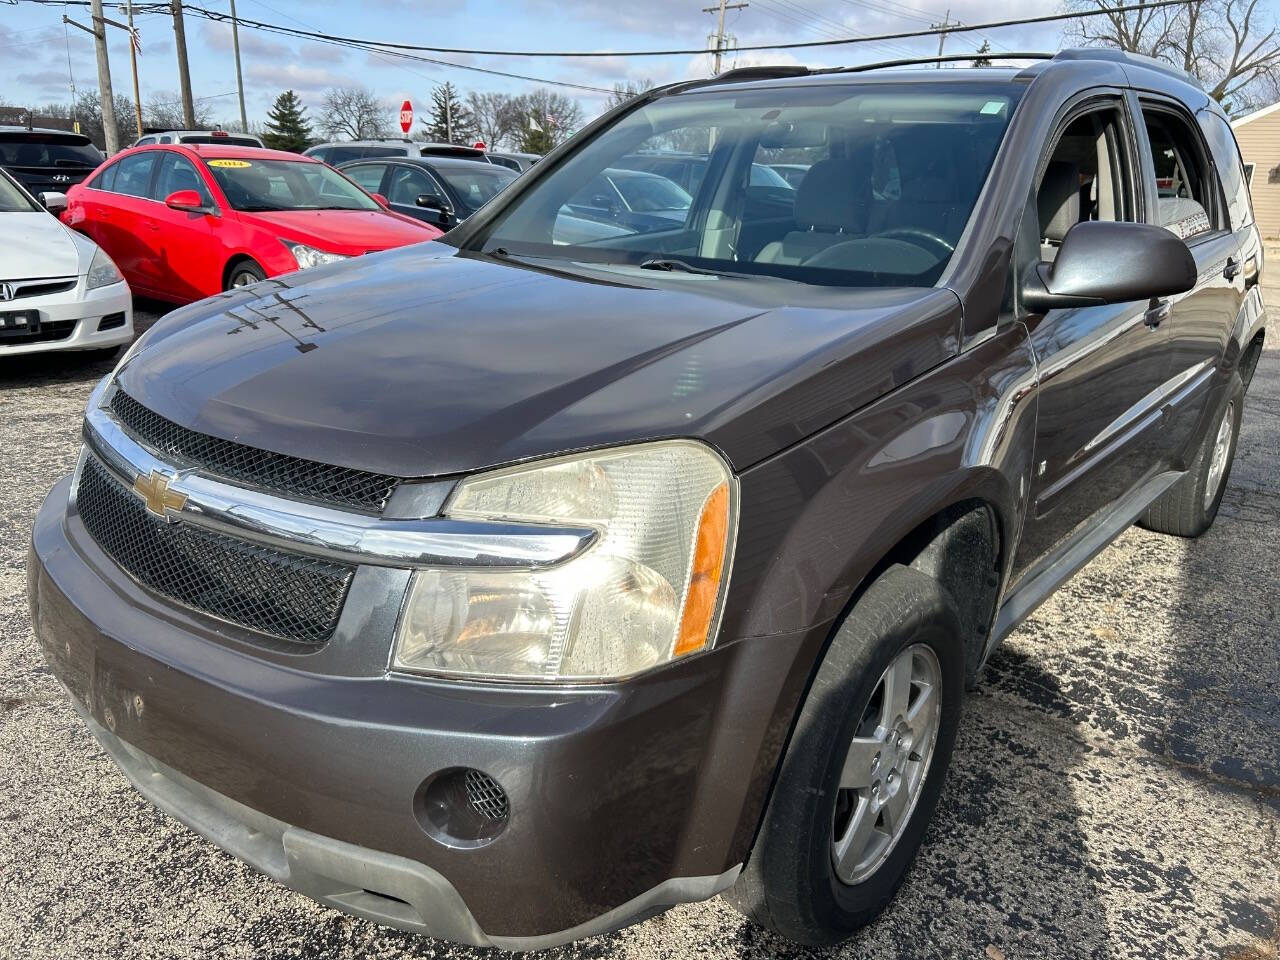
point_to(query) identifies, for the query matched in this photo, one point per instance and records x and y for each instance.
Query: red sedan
(188, 221)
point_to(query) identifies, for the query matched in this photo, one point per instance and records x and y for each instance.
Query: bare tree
(1230, 46)
(352, 113)
(497, 116)
(622, 92)
(164, 110)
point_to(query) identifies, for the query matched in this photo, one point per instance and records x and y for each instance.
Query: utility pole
(719, 37)
(110, 133)
(235, 43)
(942, 36)
(133, 61)
(184, 71)
(448, 113)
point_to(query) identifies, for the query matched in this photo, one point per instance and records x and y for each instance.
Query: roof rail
(1112, 55)
(948, 58)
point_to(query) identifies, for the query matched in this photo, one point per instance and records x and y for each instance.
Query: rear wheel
(1189, 507)
(244, 273)
(865, 766)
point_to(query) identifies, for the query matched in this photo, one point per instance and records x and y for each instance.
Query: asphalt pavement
(1115, 791)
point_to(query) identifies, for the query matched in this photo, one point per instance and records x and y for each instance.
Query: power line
(397, 48)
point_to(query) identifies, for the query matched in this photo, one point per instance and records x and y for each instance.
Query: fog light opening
(462, 807)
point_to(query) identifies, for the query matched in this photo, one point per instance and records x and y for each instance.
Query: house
(1258, 134)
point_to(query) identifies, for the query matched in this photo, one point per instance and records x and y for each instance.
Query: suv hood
(424, 361)
(344, 231)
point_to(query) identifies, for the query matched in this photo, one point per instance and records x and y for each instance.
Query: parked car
(185, 222)
(519, 162)
(336, 154)
(441, 191)
(687, 169)
(793, 173)
(58, 290)
(560, 583)
(631, 199)
(199, 136)
(47, 160)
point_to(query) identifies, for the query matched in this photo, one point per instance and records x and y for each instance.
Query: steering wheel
(921, 238)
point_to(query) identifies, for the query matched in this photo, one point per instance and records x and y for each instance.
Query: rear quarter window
(1231, 168)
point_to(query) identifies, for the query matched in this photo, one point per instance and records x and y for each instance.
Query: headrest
(829, 197)
(1059, 200)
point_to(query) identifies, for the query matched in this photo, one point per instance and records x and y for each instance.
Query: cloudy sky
(36, 46)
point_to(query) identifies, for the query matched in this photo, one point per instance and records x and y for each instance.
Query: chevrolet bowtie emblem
(159, 498)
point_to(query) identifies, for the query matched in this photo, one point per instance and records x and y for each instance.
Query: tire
(244, 273)
(1188, 508)
(790, 883)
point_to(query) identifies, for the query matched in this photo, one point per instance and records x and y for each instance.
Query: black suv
(47, 160)
(512, 587)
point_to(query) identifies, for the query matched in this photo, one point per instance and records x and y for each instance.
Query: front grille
(287, 596)
(294, 476)
(41, 288)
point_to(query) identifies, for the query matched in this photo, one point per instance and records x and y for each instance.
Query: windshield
(479, 186)
(223, 141)
(47, 150)
(889, 174)
(254, 185)
(13, 200)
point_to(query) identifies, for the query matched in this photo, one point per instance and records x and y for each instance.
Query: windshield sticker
(229, 164)
(992, 107)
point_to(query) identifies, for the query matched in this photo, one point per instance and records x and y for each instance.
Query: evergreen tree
(451, 120)
(287, 127)
(981, 60)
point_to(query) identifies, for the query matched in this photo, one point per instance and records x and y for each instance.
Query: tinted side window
(336, 155)
(1231, 168)
(407, 183)
(321, 154)
(1184, 180)
(178, 173)
(105, 178)
(133, 176)
(368, 175)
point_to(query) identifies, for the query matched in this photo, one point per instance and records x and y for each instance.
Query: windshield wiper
(677, 266)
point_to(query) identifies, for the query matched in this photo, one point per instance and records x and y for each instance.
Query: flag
(534, 125)
(551, 120)
(136, 39)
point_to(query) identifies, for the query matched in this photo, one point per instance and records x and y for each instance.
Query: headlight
(311, 257)
(102, 271)
(648, 590)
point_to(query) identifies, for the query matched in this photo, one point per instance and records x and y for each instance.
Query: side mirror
(53, 201)
(1105, 262)
(188, 200)
(429, 201)
(380, 200)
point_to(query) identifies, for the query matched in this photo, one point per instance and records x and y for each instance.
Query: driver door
(1102, 369)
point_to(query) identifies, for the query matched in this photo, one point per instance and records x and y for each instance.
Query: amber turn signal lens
(708, 569)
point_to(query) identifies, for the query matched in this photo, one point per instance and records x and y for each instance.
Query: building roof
(1256, 115)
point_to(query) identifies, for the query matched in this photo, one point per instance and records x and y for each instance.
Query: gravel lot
(1115, 790)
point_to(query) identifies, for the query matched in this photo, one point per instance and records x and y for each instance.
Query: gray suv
(513, 587)
(345, 151)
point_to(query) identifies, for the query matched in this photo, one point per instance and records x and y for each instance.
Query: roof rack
(782, 71)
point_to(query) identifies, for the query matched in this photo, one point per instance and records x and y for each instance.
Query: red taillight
(218, 133)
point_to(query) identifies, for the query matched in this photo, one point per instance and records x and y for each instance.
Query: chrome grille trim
(325, 532)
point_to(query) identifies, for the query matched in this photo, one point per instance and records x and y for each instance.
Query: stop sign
(406, 116)
(479, 145)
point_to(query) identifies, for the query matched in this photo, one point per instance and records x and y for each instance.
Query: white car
(58, 289)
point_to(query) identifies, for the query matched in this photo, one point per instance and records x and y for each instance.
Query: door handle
(1157, 313)
(1232, 269)
(1251, 271)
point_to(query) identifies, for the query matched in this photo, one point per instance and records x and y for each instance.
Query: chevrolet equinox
(515, 586)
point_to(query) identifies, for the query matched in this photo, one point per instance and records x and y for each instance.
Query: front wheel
(243, 274)
(866, 763)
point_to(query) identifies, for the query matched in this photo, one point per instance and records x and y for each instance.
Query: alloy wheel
(1219, 457)
(887, 763)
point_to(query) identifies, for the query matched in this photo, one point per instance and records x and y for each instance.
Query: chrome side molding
(324, 531)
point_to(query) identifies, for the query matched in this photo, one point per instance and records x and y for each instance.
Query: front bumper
(624, 798)
(87, 308)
